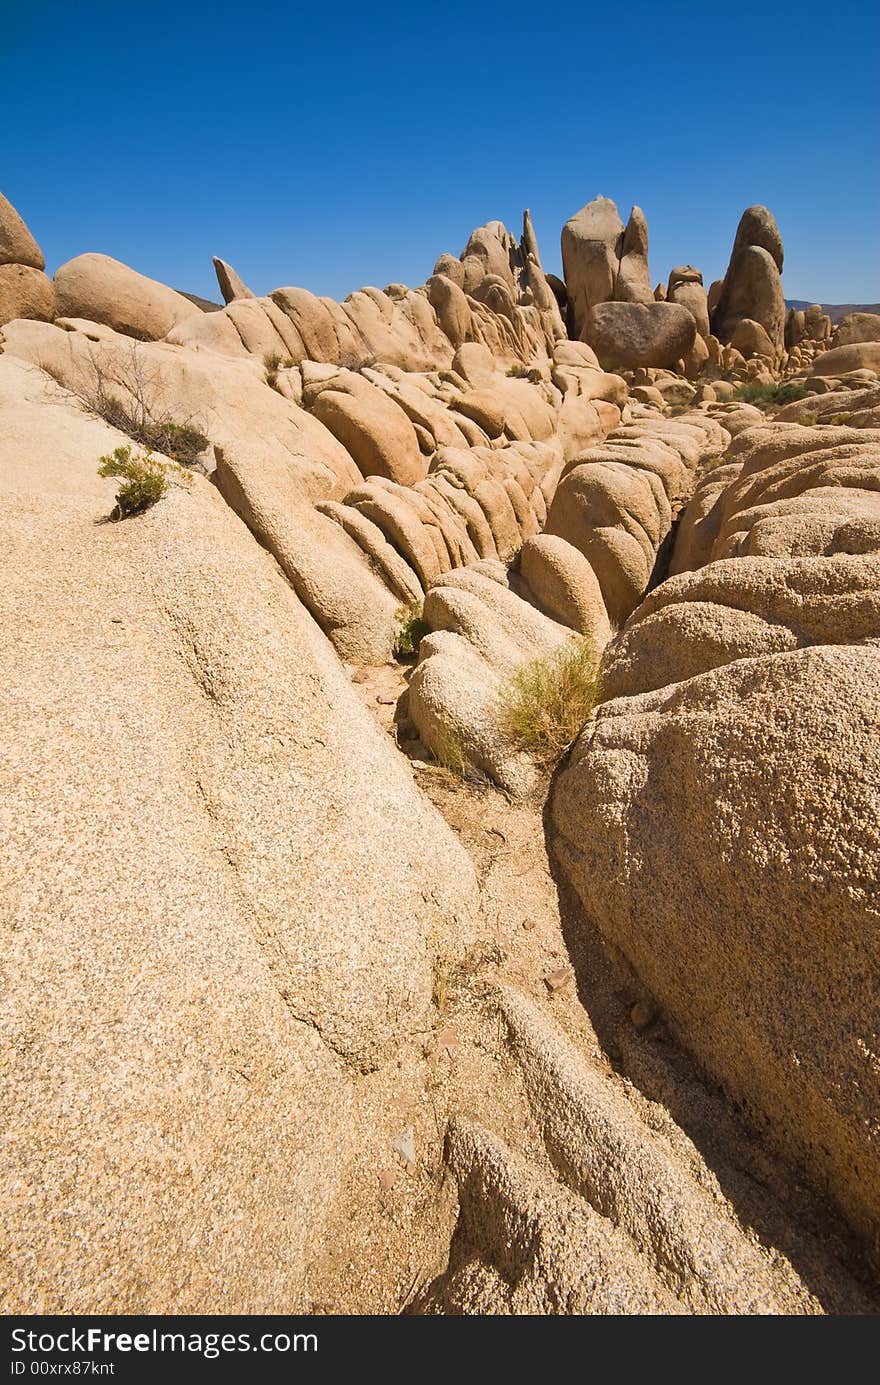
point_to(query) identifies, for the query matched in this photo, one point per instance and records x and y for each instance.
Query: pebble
(557, 979)
(642, 1014)
(405, 1145)
(448, 1039)
(387, 1179)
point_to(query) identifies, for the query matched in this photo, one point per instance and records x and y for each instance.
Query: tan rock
(591, 245)
(636, 334)
(753, 290)
(232, 286)
(842, 359)
(858, 327)
(104, 290)
(694, 361)
(750, 339)
(609, 512)
(686, 287)
(633, 282)
(482, 633)
(565, 587)
(757, 787)
(25, 292)
(227, 399)
(451, 307)
(648, 394)
(371, 426)
(17, 245)
(193, 951)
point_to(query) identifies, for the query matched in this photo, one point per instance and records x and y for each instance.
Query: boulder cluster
(227, 895)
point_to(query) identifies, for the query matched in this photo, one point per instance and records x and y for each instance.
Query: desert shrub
(518, 372)
(449, 753)
(350, 360)
(839, 419)
(128, 395)
(547, 702)
(411, 630)
(144, 480)
(771, 396)
(273, 362)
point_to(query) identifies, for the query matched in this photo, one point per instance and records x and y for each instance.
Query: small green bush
(145, 480)
(839, 419)
(771, 396)
(411, 630)
(547, 702)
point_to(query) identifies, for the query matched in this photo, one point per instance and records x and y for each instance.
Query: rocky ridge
(274, 966)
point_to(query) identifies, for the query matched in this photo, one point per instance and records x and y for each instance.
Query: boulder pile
(246, 950)
(730, 783)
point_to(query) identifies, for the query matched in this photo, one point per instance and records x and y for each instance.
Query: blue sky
(339, 145)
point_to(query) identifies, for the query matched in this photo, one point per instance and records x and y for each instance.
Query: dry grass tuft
(547, 702)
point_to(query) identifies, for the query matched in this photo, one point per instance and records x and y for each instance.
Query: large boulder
(840, 360)
(795, 328)
(562, 583)
(482, 633)
(489, 251)
(730, 784)
(633, 283)
(274, 461)
(591, 245)
(752, 290)
(817, 323)
(629, 335)
(25, 292)
(104, 290)
(723, 833)
(686, 287)
(371, 426)
(219, 892)
(232, 286)
(614, 501)
(752, 287)
(750, 339)
(17, 245)
(757, 226)
(856, 328)
(227, 400)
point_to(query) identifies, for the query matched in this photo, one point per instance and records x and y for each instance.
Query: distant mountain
(205, 304)
(835, 311)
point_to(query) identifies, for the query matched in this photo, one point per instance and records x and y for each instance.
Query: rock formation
(763, 643)
(635, 334)
(100, 289)
(25, 291)
(232, 286)
(592, 241)
(285, 952)
(752, 287)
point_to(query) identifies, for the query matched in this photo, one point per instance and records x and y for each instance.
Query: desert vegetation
(547, 702)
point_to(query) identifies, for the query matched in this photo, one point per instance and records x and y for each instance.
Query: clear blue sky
(333, 145)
